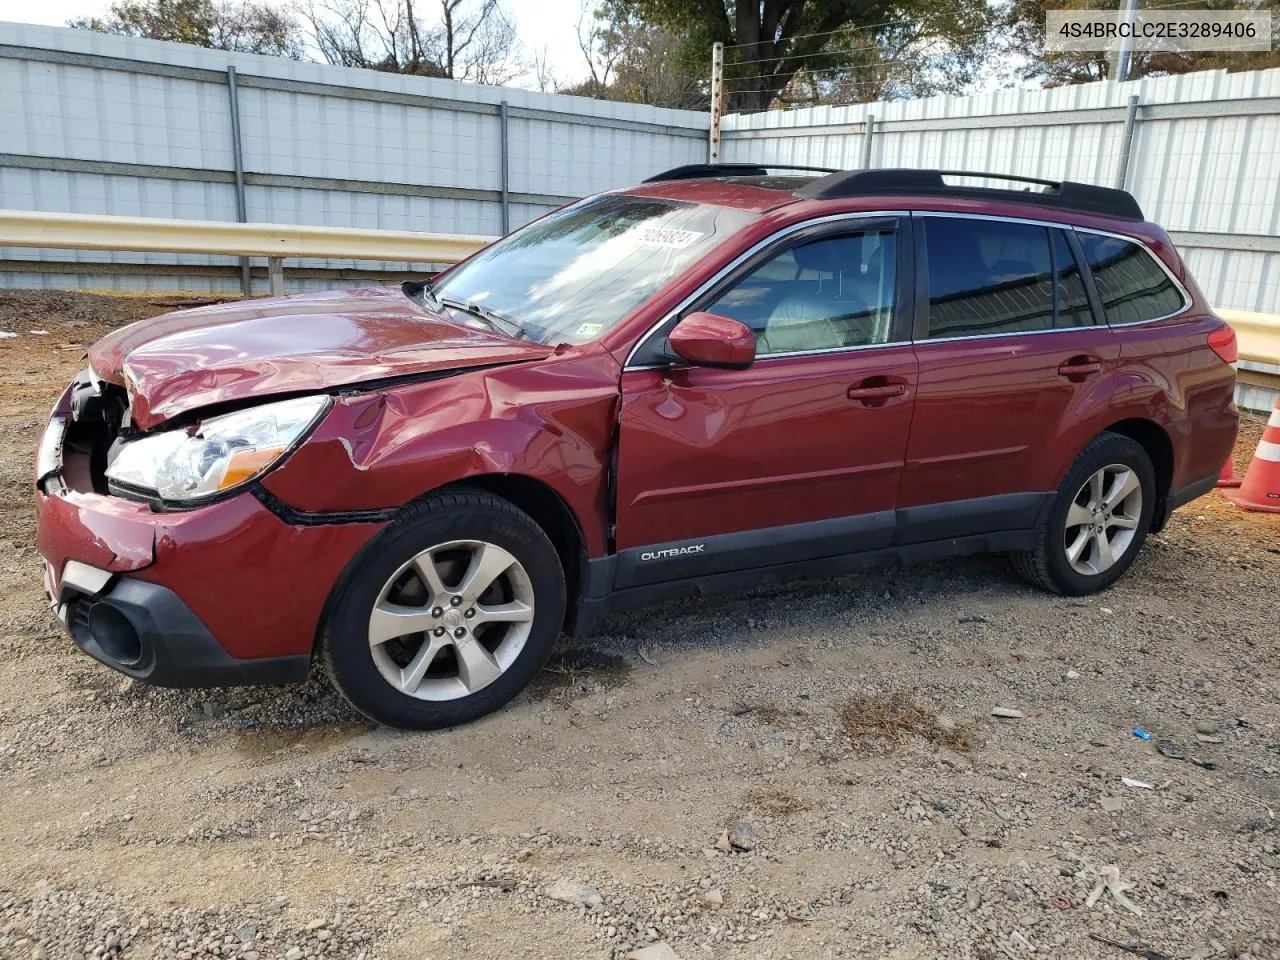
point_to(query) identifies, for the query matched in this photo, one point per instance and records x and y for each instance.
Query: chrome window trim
(1014, 333)
(817, 353)
(994, 216)
(1186, 296)
(742, 258)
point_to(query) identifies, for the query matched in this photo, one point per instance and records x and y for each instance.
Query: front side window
(574, 274)
(988, 277)
(1131, 285)
(825, 294)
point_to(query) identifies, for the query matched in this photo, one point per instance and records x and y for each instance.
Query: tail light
(1223, 342)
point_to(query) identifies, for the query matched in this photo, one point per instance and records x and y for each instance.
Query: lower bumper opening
(145, 631)
(114, 634)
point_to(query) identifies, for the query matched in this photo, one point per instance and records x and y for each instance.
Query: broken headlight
(220, 454)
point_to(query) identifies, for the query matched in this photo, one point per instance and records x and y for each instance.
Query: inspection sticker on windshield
(668, 237)
(589, 329)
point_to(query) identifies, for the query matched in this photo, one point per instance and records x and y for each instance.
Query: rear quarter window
(1132, 286)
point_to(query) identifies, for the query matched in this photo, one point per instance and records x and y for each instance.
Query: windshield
(574, 274)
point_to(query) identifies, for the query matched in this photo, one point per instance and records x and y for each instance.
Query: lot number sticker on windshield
(589, 329)
(668, 237)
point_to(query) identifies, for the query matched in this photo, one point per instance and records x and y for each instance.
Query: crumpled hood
(190, 359)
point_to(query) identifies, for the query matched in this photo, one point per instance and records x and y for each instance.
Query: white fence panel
(100, 124)
(1205, 157)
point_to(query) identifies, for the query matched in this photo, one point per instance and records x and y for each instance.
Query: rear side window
(1131, 285)
(988, 277)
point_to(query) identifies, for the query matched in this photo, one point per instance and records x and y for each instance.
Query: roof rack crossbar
(1064, 194)
(702, 171)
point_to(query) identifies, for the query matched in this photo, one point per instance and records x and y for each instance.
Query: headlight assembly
(222, 454)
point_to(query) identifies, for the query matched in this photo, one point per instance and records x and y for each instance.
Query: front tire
(447, 615)
(1099, 520)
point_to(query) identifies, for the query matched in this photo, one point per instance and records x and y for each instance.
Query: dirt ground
(272, 823)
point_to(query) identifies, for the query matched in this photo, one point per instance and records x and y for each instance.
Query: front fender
(552, 421)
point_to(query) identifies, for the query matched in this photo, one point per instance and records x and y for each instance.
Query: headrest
(825, 256)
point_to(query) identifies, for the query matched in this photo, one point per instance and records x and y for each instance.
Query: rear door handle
(880, 392)
(1077, 368)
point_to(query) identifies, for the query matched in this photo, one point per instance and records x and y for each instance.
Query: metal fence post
(868, 133)
(237, 153)
(717, 102)
(275, 275)
(505, 121)
(1126, 144)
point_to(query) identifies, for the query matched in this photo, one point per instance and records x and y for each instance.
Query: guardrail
(21, 228)
(1258, 334)
(1258, 372)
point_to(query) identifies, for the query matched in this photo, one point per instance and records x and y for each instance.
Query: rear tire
(448, 613)
(1099, 520)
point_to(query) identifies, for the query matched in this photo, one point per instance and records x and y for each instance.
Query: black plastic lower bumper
(145, 631)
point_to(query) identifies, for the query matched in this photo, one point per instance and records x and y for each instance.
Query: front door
(1009, 349)
(797, 457)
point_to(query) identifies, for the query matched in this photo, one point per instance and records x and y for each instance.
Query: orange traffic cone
(1227, 476)
(1261, 487)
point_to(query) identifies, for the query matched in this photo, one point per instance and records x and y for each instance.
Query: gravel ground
(689, 776)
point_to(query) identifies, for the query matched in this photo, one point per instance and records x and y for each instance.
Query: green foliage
(826, 51)
(244, 26)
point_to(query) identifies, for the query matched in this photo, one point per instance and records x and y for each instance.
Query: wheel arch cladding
(539, 500)
(548, 510)
(1159, 447)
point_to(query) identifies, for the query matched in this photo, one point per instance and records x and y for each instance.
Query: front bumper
(145, 631)
(226, 593)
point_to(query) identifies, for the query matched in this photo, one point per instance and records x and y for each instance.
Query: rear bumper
(145, 631)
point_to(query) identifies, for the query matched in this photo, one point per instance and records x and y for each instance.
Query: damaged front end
(86, 423)
(142, 585)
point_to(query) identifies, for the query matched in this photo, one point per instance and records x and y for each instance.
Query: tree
(831, 50)
(634, 61)
(1025, 25)
(240, 25)
(601, 46)
(657, 66)
(941, 50)
(472, 39)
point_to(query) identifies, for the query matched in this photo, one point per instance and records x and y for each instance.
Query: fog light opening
(114, 634)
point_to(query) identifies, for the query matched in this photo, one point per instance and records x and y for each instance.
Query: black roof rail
(1064, 194)
(702, 171)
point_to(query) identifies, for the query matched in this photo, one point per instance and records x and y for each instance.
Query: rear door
(1011, 352)
(800, 455)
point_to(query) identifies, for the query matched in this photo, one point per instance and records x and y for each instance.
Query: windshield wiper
(496, 320)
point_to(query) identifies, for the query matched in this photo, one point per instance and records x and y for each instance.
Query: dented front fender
(552, 421)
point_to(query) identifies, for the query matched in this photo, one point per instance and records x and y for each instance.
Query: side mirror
(710, 340)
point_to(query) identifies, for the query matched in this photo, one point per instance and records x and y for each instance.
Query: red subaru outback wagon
(717, 379)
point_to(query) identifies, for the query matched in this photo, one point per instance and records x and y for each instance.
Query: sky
(549, 24)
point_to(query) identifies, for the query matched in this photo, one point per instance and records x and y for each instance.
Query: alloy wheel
(451, 620)
(1103, 519)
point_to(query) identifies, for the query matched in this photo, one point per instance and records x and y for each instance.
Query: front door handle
(878, 390)
(1078, 368)
(883, 391)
